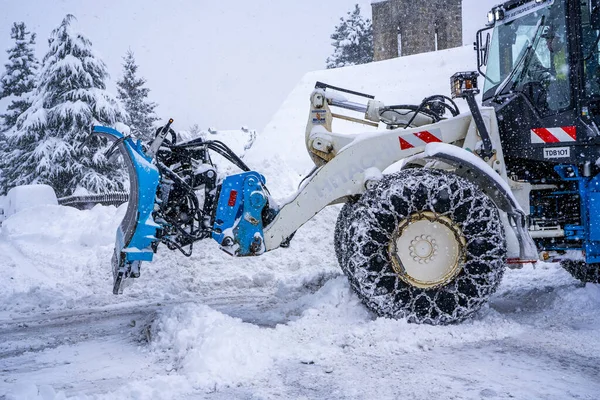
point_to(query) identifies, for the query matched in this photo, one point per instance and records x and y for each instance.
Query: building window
(399, 42)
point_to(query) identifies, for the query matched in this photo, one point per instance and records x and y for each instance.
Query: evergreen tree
(16, 83)
(50, 142)
(352, 40)
(19, 77)
(133, 95)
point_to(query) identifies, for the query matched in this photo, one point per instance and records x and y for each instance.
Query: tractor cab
(542, 76)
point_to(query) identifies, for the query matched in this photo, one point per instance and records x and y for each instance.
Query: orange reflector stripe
(519, 261)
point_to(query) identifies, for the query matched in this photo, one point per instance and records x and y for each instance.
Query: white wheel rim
(427, 250)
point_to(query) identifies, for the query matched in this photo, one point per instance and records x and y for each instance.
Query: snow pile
(210, 347)
(215, 350)
(280, 150)
(54, 256)
(22, 197)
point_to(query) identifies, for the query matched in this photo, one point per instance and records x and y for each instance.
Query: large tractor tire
(425, 245)
(582, 271)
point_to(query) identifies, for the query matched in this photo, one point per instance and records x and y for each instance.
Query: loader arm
(347, 173)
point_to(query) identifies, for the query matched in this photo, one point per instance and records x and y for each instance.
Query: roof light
(491, 18)
(499, 14)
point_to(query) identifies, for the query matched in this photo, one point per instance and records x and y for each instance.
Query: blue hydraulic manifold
(238, 225)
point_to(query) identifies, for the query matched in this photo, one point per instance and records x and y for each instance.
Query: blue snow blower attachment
(168, 183)
(137, 232)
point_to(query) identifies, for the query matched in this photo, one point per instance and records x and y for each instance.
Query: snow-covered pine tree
(352, 41)
(134, 97)
(19, 76)
(16, 83)
(50, 142)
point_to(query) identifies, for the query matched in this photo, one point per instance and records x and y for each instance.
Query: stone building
(405, 27)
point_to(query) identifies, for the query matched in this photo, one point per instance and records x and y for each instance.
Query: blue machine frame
(588, 230)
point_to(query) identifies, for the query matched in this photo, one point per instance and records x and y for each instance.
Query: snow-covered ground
(284, 325)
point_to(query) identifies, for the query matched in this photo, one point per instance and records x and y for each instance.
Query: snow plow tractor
(499, 185)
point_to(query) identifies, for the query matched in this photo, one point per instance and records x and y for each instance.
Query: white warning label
(557, 152)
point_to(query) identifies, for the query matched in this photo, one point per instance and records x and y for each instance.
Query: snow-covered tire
(582, 271)
(416, 222)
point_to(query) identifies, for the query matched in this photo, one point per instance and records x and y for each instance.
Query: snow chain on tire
(582, 271)
(367, 231)
(340, 227)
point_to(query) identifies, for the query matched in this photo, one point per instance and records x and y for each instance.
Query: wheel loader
(507, 182)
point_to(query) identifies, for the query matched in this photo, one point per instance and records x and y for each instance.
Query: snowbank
(23, 197)
(213, 349)
(280, 148)
(334, 334)
(54, 256)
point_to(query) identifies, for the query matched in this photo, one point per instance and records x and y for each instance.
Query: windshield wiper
(523, 60)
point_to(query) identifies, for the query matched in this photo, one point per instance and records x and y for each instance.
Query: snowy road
(53, 348)
(539, 339)
(284, 325)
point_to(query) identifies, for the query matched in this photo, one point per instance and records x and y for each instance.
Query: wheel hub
(427, 250)
(423, 249)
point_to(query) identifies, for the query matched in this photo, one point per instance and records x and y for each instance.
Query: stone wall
(416, 23)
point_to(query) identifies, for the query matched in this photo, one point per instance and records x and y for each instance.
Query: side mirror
(482, 47)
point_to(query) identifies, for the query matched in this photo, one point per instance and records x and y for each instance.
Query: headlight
(463, 84)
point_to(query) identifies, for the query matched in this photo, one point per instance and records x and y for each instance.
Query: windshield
(590, 33)
(529, 55)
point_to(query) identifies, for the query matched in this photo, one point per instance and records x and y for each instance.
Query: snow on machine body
(498, 185)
